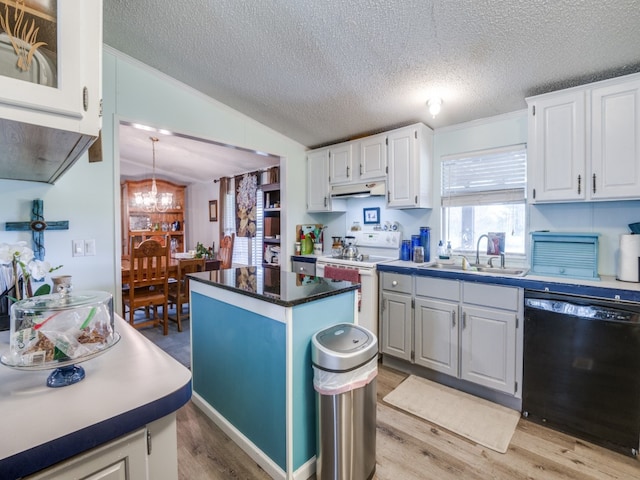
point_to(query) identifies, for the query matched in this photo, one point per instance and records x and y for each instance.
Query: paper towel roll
(629, 261)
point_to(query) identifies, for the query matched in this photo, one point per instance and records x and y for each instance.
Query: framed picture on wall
(213, 210)
(371, 215)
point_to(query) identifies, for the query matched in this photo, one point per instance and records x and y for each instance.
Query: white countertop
(133, 375)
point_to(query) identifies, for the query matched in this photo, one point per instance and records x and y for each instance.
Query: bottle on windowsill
(442, 253)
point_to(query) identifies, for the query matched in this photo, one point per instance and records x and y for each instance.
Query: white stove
(373, 248)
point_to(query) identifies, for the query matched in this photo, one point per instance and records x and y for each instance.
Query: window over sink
(484, 191)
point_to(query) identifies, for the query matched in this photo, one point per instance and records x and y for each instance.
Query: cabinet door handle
(360, 169)
(453, 318)
(579, 184)
(594, 183)
(347, 172)
(464, 320)
(325, 201)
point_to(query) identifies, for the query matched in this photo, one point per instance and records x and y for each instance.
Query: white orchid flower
(38, 269)
(25, 254)
(20, 255)
(6, 254)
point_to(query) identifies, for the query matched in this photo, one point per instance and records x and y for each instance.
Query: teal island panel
(239, 365)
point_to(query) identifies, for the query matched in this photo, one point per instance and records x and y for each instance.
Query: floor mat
(479, 420)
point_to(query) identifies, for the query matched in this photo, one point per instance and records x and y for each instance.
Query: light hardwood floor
(407, 447)
(410, 448)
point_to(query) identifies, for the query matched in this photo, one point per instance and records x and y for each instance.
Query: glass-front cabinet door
(50, 63)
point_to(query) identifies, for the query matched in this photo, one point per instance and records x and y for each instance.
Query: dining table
(210, 264)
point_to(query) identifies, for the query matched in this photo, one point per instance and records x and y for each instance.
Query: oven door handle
(363, 272)
(367, 272)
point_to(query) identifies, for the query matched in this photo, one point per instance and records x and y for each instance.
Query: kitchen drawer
(306, 268)
(493, 296)
(438, 288)
(396, 283)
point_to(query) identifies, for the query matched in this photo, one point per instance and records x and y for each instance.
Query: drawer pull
(394, 283)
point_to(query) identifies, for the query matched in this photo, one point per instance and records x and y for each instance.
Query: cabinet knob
(394, 283)
(301, 269)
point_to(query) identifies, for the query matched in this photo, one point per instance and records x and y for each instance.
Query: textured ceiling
(324, 71)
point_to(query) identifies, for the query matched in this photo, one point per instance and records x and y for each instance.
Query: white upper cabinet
(341, 163)
(318, 199)
(402, 158)
(318, 188)
(50, 86)
(556, 149)
(410, 167)
(373, 157)
(615, 141)
(584, 143)
(358, 161)
(56, 84)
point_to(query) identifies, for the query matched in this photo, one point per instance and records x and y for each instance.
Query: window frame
(483, 190)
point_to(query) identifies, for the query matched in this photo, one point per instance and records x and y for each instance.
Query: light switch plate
(89, 247)
(77, 247)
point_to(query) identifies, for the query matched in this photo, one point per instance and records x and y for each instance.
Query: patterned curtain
(246, 207)
(222, 200)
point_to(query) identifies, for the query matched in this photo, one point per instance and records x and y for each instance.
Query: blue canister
(415, 242)
(405, 250)
(425, 234)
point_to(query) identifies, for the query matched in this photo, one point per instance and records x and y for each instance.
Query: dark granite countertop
(286, 289)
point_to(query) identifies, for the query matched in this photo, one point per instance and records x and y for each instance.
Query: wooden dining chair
(148, 283)
(225, 252)
(179, 291)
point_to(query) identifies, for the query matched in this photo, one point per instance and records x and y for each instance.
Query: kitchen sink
(480, 269)
(514, 272)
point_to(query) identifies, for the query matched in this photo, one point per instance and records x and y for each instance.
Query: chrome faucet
(484, 235)
(501, 260)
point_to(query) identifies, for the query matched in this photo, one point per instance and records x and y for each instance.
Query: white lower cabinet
(463, 329)
(396, 316)
(147, 453)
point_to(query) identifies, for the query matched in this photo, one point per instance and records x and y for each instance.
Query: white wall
(198, 227)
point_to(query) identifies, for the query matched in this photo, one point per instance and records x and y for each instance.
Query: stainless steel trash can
(345, 365)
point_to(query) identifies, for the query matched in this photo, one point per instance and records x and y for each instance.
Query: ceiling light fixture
(150, 200)
(435, 105)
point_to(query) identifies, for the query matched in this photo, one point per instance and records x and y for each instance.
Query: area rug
(479, 420)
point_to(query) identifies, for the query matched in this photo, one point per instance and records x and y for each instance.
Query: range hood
(36, 153)
(358, 190)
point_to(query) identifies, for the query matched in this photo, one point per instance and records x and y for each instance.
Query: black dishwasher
(582, 368)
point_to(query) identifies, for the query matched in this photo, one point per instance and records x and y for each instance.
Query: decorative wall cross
(37, 225)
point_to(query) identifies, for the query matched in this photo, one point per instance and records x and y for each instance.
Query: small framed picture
(371, 215)
(213, 210)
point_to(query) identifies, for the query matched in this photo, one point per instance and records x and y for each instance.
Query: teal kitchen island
(251, 332)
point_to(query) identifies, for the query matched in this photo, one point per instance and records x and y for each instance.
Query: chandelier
(152, 201)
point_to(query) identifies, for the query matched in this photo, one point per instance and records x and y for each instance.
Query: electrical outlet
(89, 247)
(77, 247)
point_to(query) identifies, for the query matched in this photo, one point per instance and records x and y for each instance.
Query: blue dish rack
(573, 255)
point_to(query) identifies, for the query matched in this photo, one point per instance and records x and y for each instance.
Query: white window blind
(485, 177)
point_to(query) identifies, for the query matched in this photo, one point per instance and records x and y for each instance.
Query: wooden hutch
(141, 224)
